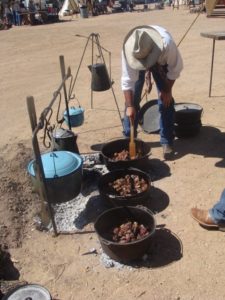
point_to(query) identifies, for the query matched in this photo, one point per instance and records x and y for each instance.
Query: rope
(188, 30)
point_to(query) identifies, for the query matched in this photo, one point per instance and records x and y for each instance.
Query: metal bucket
(83, 12)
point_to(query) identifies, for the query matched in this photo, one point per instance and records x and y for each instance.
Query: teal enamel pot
(76, 115)
(63, 173)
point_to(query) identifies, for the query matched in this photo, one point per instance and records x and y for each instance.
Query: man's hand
(166, 98)
(130, 109)
(131, 112)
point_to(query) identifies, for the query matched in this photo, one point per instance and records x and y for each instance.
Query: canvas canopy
(68, 7)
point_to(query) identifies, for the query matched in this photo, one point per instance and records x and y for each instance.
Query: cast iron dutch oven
(187, 113)
(63, 174)
(119, 145)
(114, 217)
(111, 197)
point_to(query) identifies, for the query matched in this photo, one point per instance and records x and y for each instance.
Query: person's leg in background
(137, 99)
(166, 123)
(217, 213)
(212, 218)
(14, 17)
(167, 114)
(17, 17)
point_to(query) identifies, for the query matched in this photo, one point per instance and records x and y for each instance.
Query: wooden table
(214, 35)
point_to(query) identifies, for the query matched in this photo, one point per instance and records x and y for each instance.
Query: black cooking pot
(100, 79)
(119, 145)
(187, 113)
(64, 139)
(115, 217)
(187, 130)
(111, 198)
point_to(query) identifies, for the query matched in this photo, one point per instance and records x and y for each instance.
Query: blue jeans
(217, 213)
(16, 18)
(166, 113)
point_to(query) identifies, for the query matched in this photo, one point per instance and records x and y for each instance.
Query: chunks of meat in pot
(129, 185)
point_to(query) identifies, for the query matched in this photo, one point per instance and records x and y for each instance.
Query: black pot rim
(188, 103)
(128, 198)
(119, 161)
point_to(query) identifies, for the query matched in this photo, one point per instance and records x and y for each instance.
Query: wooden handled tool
(132, 145)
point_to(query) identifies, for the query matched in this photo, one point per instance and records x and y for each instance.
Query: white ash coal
(82, 210)
(108, 262)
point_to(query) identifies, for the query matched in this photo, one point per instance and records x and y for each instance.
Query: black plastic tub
(112, 199)
(119, 145)
(114, 217)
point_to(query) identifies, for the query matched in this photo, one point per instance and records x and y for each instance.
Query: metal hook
(47, 128)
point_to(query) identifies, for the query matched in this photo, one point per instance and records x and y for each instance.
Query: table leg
(211, 74)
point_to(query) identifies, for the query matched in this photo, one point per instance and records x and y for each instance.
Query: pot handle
(107, 243)
(73, 97)
(145, 209)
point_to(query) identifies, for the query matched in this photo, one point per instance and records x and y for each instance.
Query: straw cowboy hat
(142, 47)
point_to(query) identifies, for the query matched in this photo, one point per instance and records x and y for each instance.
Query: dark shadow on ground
(210, 142)
(97, 147)
(159, 200)
(156, 169)
(94, 207)
(165, 249)
(7, 269)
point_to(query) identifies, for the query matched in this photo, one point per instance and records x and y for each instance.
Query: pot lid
(73, 111)
(149, 116)
(187, 107)
(28, 292)
(58, 163)
(62, 133)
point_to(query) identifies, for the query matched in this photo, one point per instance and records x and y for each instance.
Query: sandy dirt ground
(187, 261)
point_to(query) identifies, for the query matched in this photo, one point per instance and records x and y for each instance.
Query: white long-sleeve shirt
(170, 55)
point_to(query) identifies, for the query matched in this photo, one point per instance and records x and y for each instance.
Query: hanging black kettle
(100, 80)
(64, 139)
